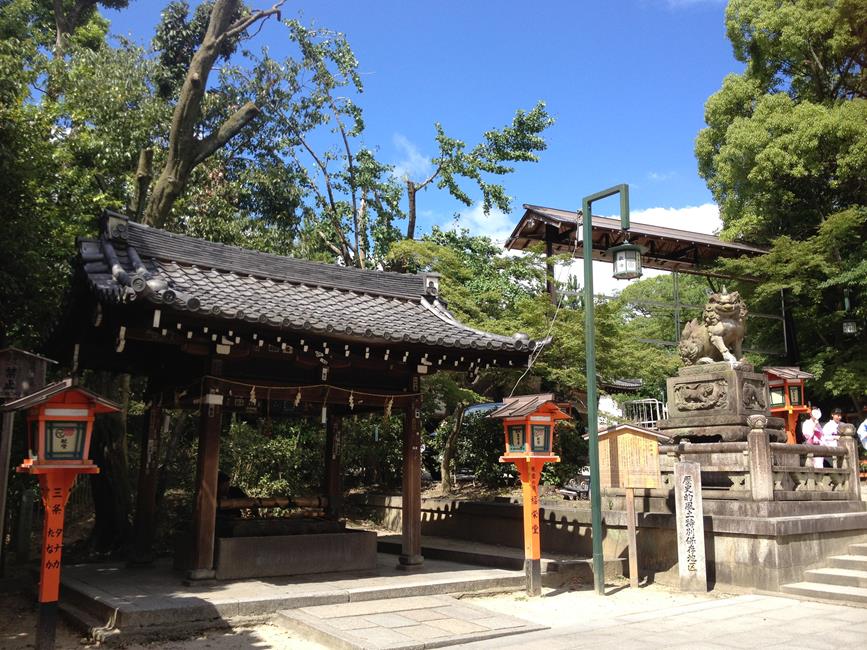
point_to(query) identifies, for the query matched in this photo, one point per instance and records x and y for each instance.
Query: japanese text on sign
(689, 522)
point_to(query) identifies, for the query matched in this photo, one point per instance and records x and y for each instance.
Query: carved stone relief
(701, 396)
(754, 396)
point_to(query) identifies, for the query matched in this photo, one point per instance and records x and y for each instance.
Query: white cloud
(413, 164)
(659, 177)
(699, 218)
(496, 224)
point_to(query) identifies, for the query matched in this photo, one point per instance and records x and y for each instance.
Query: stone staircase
(844, 581)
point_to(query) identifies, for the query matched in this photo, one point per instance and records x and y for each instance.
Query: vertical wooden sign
(55, 487)
(531, 471)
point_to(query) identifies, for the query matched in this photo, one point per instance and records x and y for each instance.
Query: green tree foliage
(350, 199)
(481, 283)
(66, 154)
(784, 154)
(453, 164)
(279, 458)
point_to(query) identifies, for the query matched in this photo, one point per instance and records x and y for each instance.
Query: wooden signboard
(629, 458)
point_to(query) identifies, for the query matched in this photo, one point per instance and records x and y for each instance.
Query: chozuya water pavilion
(219, 328)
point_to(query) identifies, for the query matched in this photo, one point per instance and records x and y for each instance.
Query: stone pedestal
(711, 402)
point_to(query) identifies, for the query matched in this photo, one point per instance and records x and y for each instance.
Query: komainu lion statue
(719, 336)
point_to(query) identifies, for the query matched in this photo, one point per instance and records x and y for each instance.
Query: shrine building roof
(668, 249)
(132, 262)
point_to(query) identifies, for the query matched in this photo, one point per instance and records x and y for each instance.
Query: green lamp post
(627, 264)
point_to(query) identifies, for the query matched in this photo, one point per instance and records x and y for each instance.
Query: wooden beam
(334, 467)
(205, 510)
(146, 498)
(411, 557)
(550, 285)
(314, 502)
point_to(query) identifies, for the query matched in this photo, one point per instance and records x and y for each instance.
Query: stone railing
(760, 470)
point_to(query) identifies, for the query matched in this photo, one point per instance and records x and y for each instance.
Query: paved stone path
(150, 602)
(401, 623)
(745, 621)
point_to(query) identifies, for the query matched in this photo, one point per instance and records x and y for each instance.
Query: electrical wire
(535, 355)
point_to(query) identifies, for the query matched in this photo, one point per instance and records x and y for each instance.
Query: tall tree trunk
(449, 450)
(411, 189)
(66, 23)
(185, 149)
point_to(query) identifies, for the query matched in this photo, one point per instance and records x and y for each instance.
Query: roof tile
(235, 283)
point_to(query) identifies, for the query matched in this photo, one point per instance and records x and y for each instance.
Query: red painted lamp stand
(59, 425)
(54, 483)
(530, 469)
(528, 424)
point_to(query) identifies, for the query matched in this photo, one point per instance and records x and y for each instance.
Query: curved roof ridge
(160, 244)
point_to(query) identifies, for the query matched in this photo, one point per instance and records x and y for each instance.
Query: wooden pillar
(146, 498)
(8, 422)
(334, 467)
(205, 511)
(411, 557)
(550, 285)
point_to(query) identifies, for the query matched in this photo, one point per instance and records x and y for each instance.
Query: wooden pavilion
(668, 249)
(218, 328)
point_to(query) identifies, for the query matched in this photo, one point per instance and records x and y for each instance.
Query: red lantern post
(59, 425)
(529, 423)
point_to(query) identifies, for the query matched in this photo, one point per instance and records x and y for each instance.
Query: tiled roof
(135, 262)
(521, 405)
(101, 404)
(787, 372)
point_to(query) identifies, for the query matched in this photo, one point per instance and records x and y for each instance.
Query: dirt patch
(18, 622)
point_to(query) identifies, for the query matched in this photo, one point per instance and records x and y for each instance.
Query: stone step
(103, 632)
(857, 549)
(838, 593)
(94, 607)
(832, 576)
(856, 562)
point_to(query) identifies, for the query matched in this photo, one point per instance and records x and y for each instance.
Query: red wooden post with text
(59, 425)
(529, 423)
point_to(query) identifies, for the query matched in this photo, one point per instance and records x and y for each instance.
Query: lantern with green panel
(528, 422)
(60, 422)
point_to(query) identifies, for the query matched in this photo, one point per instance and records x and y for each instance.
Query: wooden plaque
(629, 458)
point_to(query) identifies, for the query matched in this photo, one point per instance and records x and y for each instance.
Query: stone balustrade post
(848, 442)
(760, 459)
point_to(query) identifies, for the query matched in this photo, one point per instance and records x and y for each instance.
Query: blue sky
(626, 81)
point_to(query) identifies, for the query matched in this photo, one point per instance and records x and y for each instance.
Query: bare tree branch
(329, 243)
(429, 179)
(256, 16)
(359, 257)
(331, 203)
(412, 188)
